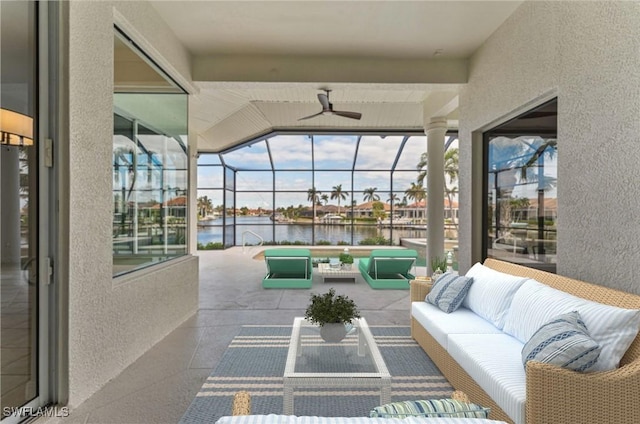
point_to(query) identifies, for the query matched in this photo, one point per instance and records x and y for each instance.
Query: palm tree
(393, 199)
(451, 171)
(205, 206)
(370, 195)
(416, 192)
(337, 193)
(325, 199)
(313, 196)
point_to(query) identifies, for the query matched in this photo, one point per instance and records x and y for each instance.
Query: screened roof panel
(413, 149)
(378, 152)
(209, 159)
(290, 151)
(334, 151)
(254, 156)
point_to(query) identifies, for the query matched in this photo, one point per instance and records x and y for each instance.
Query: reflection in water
(211, 232)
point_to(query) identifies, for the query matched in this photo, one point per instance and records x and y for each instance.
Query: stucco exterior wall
(588, 54)
(111, 321)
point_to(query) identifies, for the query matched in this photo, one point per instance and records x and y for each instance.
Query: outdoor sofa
(288, 269)
(478, 347)
(388, 268)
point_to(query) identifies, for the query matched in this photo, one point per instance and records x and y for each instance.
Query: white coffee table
(339, 274)
(355, 362)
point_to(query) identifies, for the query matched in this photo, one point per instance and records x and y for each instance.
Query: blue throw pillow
(565, 342)
(449, 291)
(430, 408)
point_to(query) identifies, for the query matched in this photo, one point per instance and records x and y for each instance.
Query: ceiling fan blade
(352, 115)
(311, 116)
(324, 101)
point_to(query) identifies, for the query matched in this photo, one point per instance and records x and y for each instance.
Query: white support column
(435, 131)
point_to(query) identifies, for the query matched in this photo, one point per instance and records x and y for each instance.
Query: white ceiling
(259, 65)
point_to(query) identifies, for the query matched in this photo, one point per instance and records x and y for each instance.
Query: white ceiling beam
(239, 126)
(295, 69)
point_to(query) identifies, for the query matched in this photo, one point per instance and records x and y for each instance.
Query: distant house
(174, 207)
(365, 210)
(417, 211)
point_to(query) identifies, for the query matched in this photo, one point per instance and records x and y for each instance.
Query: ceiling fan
(327, 108)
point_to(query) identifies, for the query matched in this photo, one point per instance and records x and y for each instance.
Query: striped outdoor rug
(255, 361)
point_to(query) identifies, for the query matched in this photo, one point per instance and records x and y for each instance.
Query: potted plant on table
(346, 260)
(332, 313)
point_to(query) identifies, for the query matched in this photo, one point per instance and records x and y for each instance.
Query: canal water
(211, 231)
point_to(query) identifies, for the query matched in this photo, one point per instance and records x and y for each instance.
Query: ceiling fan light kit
(327, 109)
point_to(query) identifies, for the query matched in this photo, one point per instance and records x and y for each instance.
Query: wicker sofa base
(554, 395)
(458, 378)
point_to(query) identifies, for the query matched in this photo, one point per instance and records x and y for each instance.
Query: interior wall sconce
(16, 129)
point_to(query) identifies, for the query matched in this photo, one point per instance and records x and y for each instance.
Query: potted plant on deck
(332, 313)
(438, 266)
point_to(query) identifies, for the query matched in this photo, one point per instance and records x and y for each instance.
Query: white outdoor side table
(330, 274)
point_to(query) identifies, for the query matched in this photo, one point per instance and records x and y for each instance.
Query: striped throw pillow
(430, 408)
(449, 291)
(564, 341)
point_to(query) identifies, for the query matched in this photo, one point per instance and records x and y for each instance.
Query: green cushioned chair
(388, 268)
(288, 269)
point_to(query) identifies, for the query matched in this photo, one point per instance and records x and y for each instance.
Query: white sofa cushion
(491, 293)
(493, 362)
(292, 419)
(613, 328)
(440, 324)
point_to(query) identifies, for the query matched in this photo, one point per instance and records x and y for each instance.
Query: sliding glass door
(25, 222)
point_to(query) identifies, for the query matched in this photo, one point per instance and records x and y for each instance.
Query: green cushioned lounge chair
(288, 269)
(388, 268)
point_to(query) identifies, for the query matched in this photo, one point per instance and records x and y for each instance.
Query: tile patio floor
(160, 385)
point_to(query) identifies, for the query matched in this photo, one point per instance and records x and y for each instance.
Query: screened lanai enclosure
(321, 189)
